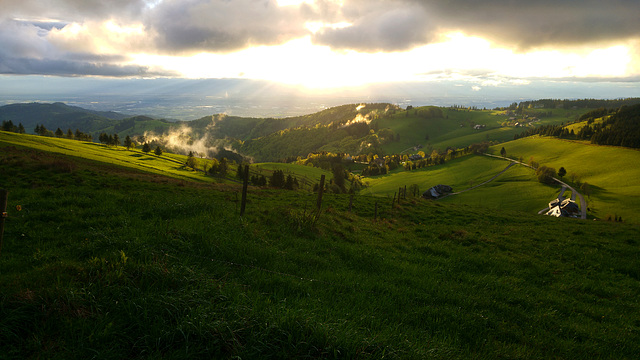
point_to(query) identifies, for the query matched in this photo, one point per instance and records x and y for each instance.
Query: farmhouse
(437, 191)
(564, 208)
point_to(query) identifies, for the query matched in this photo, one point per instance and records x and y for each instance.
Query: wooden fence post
(404, 193)
(375, 212)
(4, 195)
(320, 191)
(245, 184)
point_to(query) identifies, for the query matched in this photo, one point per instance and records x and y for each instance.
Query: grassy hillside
(612, 187)
(100, 261)
(456, 127)
(517, 189)
(166, 164)
(306, 175)
(610, 171)
(352, 128)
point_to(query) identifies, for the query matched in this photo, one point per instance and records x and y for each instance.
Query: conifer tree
(128, 142)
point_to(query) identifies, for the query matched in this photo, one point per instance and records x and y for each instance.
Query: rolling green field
(167, 164)
(517, 189)
(455, 129)
(103, 261)
(306, 175)
(611, 172)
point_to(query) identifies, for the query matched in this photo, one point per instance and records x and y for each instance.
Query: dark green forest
(619, 127)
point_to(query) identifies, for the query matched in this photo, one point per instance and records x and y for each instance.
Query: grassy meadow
(103, 261)
(456, 130)
(611, 172)
(306, 175)
(517, 189)
(167, 164)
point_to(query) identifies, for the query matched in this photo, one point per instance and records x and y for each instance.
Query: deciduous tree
(545, 174)
(562, 172)
(191, 161)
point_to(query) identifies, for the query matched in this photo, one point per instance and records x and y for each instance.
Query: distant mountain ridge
(371, 129)
(54, 115)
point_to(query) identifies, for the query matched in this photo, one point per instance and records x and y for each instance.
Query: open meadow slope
(611, 172)
(166, 164)
(517, 189)
(455, 127)
(103, 261)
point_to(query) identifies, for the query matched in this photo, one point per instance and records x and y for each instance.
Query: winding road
(574, 193)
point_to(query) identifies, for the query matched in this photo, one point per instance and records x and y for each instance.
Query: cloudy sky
(326, 43)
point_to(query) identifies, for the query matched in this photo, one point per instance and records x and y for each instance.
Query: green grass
(610, 171)
(167, 164)
(460, 174)
(307, 175)
(455, 129)
(105, 262)
(517, 189)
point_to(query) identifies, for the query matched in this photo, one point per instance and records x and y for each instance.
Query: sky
(325, 44)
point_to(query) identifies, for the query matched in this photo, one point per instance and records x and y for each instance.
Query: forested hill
(56, 115)
(580, 103)
(51, 115)
(620, 129)
(242, 128)
(617, 127)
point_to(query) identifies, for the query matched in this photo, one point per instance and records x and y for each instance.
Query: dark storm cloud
(520, 24)
(30, 66)
(223, 26)
(73, 10)
(25, 50)
(536, 23)
(380, 27)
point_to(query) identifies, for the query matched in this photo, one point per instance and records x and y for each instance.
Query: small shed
(437, 192)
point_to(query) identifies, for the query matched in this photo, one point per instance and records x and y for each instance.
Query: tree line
(10, 127)
(69, 134)
(619, 127)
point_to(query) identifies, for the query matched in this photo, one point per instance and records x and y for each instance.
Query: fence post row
(375, 212)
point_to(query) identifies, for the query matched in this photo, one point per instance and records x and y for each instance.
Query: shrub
(546, 174)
